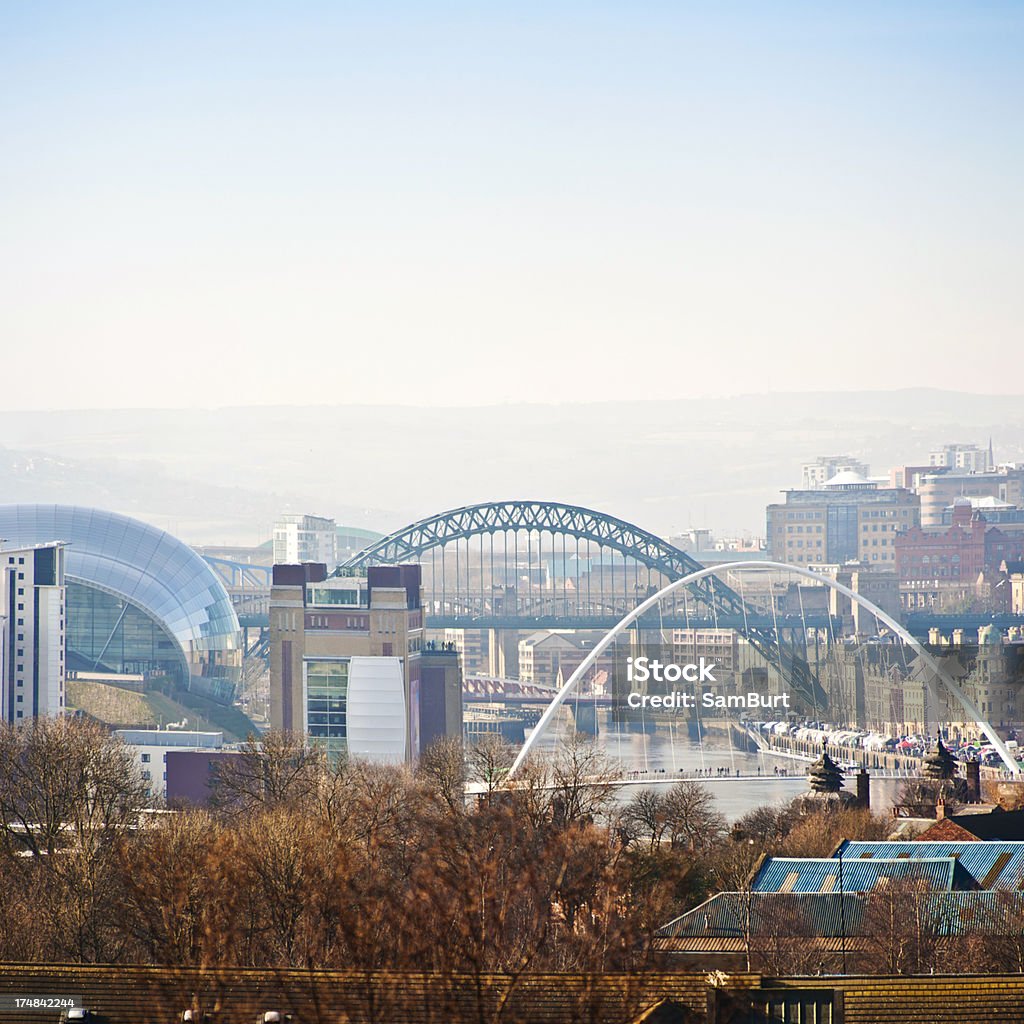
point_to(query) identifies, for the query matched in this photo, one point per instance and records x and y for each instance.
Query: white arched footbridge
(941, 676)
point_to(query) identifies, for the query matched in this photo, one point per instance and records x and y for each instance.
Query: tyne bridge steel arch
(939, 674)
(543, 516)
(586, 525)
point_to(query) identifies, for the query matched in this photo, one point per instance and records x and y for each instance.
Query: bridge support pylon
(585, 718)
(504, 653)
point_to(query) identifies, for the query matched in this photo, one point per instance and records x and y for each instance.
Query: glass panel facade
(159, 579)
(326, 704)
(106, 634)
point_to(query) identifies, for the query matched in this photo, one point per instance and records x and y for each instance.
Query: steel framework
(583, 524)
(546, 517)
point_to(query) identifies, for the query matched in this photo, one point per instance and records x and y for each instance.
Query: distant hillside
(222, 475)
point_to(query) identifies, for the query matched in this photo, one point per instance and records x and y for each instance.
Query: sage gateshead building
(138, 601)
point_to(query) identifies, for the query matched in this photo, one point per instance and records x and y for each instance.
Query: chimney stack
(974, 782)
(864, 789)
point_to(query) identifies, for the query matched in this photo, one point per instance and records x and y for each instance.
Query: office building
(939, 491)
(549, 657)
(32, 631)
(305, 538)
(349, 667)
(850, 518)
(941, 567)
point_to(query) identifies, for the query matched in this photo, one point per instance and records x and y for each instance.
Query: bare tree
(581, 781)
(443, 766)
(69, 793)
(489, 762)
(818, 834)
(166, 894)
(685, 815)
(764, 827)
(275, 769)
(903, 926)
(643, 818)
(692, 816)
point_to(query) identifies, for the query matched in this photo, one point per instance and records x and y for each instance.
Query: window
(145, 758)
(326, 700)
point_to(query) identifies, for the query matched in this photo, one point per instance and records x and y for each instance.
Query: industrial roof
(806, 874)
(729, 915)
(980, 865)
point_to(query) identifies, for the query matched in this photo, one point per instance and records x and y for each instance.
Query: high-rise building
(304, 538)
(970, 457)
(850, 518)
(816, 474)
(349, 667)
(32, 632)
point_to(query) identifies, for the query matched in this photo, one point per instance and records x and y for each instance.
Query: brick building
(349, 666)
(950, 563)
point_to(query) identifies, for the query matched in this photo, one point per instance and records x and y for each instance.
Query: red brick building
(951, 562)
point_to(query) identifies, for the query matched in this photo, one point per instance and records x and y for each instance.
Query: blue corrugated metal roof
(827, 915)
(726, 915)
(812, 874)
(982, 865)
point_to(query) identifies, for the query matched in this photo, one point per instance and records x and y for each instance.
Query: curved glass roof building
(138, 599)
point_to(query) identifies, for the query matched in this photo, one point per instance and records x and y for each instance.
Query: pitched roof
(945, 831)
(979, 864)
(1007, 826)
(824, 874)
(729, 916)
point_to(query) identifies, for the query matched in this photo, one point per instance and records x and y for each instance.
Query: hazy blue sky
(227, 203)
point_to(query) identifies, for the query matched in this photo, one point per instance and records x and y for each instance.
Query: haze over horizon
(773, 396)
(223, 475)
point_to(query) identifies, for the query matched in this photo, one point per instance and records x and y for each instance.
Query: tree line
(299, 862)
